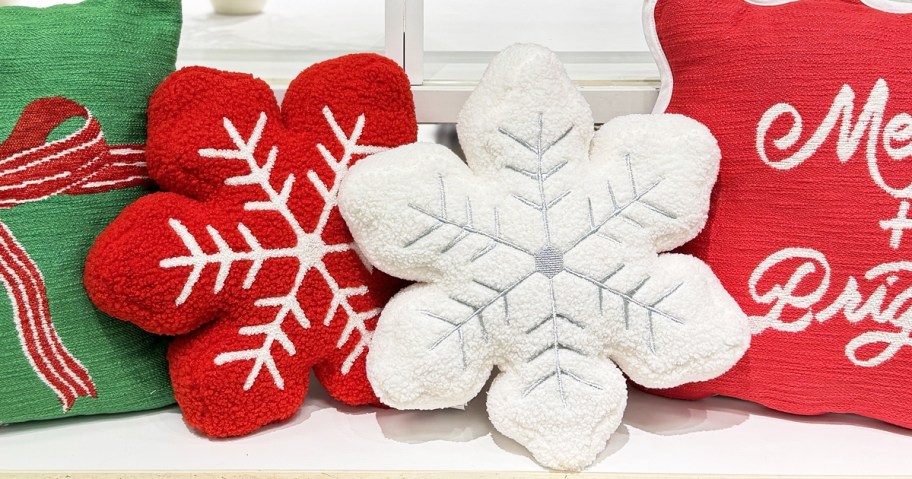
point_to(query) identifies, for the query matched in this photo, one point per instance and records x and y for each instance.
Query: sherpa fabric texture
(246, 257)
(73, 95)
(540, 257)
(809, 226)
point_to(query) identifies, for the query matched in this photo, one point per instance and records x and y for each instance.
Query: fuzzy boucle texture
(540, 258)
(245, 256)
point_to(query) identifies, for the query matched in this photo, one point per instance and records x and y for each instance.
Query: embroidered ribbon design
(33, 169)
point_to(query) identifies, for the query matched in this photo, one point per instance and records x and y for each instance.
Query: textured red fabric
(244, 256)
(809, 102)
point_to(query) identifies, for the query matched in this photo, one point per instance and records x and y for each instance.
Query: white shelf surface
(658, 436)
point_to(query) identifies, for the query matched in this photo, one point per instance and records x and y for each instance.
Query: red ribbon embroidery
(33, 169)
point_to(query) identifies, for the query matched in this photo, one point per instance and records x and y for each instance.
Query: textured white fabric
(540, 257)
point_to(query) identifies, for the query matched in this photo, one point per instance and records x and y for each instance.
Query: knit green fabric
(107, 55)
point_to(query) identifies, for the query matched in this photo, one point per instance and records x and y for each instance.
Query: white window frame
(440, 103)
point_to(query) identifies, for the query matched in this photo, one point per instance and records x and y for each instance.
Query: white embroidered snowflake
(309, 249)
(540, 258)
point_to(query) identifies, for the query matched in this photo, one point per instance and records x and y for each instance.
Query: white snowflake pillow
(541, 257)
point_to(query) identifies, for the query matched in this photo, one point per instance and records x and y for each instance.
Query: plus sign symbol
(898, 226)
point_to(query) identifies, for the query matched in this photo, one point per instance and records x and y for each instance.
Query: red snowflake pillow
(244, 256)
(809, 228)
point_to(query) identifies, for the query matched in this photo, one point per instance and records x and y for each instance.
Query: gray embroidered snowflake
(547, 260)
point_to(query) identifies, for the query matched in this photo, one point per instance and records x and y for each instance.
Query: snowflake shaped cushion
(72, 128)
(810, 226)
(540, 257)
(245, 256)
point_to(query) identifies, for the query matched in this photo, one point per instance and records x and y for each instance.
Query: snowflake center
(549, 261)
(310, 249)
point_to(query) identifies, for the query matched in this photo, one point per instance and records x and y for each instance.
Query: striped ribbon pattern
(33, 169)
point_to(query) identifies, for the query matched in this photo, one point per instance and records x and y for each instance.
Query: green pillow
(74, 86)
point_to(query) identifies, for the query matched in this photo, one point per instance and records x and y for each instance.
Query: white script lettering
(897, 131)
(896, 140)
(895, 314)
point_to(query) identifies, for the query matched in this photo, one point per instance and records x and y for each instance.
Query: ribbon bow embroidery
(33, 169)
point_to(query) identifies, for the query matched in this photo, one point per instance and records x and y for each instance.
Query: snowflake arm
(562, 433)
(650, 307)
(356, 322)
(465, 227)
(682, 311)
(224, 258)
(477, 311)
(559, 372)
(412, 374)
(681, 156)
(339, 166)
(402, 221)
(271, 332)
(262, 356)
(259, 176)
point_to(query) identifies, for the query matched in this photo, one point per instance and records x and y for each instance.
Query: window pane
(287, 37)
(600, 41)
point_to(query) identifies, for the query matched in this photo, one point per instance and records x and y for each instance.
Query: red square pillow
(809, 228)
